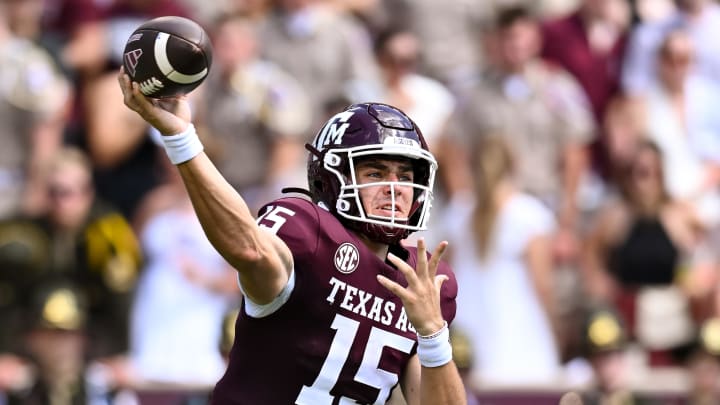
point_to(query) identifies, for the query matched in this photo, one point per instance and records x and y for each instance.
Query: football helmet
(370, 130)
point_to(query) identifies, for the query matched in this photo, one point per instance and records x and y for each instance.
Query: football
(168, 56)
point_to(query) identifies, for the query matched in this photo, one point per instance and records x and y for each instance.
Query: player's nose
(393, 188)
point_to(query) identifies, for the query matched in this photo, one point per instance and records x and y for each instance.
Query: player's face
(378, 200)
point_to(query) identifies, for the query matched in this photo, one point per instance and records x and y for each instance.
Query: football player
(335, 310)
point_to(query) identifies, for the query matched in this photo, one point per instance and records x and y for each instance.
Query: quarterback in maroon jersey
(335, 310)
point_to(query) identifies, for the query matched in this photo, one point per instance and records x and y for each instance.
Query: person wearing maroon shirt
(335, 310)
(590, 43)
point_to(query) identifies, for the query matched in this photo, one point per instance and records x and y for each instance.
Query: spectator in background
(700, 18)
(624, 127)
(447, 31)
(647, 11)
(82, 239)
(543, 114)
(96, 242)
(604, 346)
(71, 31)
(681, 118)
(86, 37)
(427, 101)
(16, 375)
(254, 114)
(120, 147)
(368, 12)
(56, 343)
(501, 253)
(228, 331)
(205, 12)
(641, 247)
(182, 297)
(590, 44)
(25, 19)
(124, 157)
(121, 17)
(329, 53)
(256, 10)
(23, 258)
(703, 364)
(33, 109)
(463, 358)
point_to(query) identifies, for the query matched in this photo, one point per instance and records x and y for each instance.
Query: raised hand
(170, 116)
(421, 298)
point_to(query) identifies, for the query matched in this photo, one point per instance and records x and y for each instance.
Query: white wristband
(184, 146)
(435, 350)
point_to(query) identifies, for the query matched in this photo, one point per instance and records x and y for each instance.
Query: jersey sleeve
(448, 293)
(296, 222)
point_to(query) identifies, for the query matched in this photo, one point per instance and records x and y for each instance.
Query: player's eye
(406, 177)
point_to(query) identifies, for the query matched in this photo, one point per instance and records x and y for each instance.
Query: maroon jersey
(341, 337)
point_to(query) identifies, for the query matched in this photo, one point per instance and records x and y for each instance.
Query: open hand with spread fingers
(168, 115)
(421, 297)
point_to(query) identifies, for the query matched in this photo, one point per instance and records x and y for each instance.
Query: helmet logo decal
(334, 130)
(346, 258)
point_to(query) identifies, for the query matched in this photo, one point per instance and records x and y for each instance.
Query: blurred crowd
(579, 185)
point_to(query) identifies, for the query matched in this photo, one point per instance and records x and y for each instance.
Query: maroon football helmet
(360, 131)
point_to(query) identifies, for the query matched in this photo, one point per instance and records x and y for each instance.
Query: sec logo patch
(346, 258)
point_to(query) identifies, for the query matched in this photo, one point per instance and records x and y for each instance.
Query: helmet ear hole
(343, 205)
(332, 159)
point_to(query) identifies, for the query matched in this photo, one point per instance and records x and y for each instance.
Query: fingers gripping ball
(168, 56)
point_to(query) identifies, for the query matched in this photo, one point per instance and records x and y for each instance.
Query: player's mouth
(389, 210)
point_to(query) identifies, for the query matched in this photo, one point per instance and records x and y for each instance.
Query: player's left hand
(421, 298)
